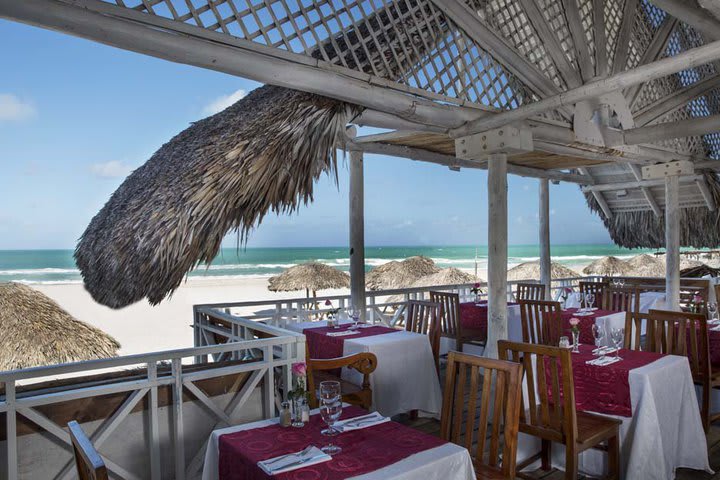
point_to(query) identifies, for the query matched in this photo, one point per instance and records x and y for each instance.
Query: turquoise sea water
(58, 266)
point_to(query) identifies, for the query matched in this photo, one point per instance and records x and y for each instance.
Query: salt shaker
(285, 415)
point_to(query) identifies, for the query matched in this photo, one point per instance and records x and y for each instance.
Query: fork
(299, 454)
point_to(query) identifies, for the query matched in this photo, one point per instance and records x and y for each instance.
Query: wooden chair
(89, 463)
(596, 288)
(688, 291)
(686, 334)
(450, 324)
(424, 317)
(541, 321)
(554, 420)
(320, 370)
(530, 291)
(469, 377)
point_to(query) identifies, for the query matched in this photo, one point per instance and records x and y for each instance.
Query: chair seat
(593, 428)
(347, 388)
(484, 472)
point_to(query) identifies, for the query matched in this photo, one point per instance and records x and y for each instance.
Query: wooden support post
(357, 232)
(497, 252)
(11, 431)
(544, 231)
(178, 421)
(672, 242)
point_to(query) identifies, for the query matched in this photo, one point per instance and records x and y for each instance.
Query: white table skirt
(664, 432)
(446, 462)
(405, 378)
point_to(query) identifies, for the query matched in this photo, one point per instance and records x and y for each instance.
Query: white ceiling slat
(577, 31)
(622, 45)
(685, 11)
(600, 40)
(672, 102)
(654, 51)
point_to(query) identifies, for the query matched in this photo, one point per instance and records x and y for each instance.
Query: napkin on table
(342, 333)
(287, 463)
(363, 421)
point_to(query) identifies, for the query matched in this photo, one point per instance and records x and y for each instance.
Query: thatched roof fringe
(312, 276)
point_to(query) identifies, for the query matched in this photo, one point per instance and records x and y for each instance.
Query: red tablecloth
(363, 451)
(604, 389)
(586, 323)
(320, 345)
(475, 316)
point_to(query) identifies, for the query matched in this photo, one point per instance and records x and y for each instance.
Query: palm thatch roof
(699, 226)
(400, 274)
(37, 331)
(310, 276)
(446, 276)
(608, 266)
(699, 272)
(224, 173)
(531, 271)
(645, 265)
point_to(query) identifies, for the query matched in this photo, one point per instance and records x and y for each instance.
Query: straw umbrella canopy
(446, 276)
(608, 266)
(700, 271)
(645, 265)
(224, 173)
(311, 277)
(37, 331)
(401, 274)
(531, 271)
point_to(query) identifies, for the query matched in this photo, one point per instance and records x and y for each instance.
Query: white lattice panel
(554, 14)
(648, 20)
(585, 7)
(613, 20)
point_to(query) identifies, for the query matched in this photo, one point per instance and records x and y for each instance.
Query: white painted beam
(666, 66)
(497, 253)
(668, 130)
(646, 192)
(357, 232)
(601, 61)
(544, 234)
(622, 45)
(672, 102)
(612, 187)
(656, 48)
(598, 197)
(578, 36)
(672, 243)
(687, 12)
(707, 195)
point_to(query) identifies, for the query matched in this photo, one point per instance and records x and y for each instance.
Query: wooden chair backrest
(547, 374)
(681, 333)
(89, 463)
(541, 321)
(465, 375)
(450, 320)
(596, 288)
(530, 291)
(424, 317)
(363, 362)
(688, 294)
(626, 299)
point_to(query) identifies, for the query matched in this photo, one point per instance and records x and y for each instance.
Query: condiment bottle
(285, 415)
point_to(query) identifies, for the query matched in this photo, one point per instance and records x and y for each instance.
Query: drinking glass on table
(353, 313)
(579, 298)
(618, 336)
(712, 309)
(589, 300)
(598, 335)
(330, 410)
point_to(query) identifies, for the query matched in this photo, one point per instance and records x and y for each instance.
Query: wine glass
(589, 300)
(621, 282)
(598, 335)
(330, 410)
(618, 336)
(579, 298)
(351, 313)
(712, 309)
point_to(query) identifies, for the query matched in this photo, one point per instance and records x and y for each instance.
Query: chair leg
(545, 454)
(614, 458)
(571, 463)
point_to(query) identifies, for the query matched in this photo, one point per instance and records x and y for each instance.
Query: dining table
(385, 451)
(405, 378)
(653, 396)
(651, 300)
(607, 320)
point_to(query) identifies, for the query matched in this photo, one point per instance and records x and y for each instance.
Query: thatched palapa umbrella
(311, 277)
(531, 271)
(401, 274)
(645, 265)
(36, 331)
(608, 266)
(446, 276)
(223, 173)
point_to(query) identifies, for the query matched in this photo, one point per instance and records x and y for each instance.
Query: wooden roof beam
(668, 130)
(707, 195)
(656, 48)
(637, 173)
(598, 196)
(672, 102)
(611, 187)
(622, 45)
(687, 12)
(661, 68)
(577, 32)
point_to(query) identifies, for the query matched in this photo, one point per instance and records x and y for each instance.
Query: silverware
(298, 454)
(353, 420)
(300, 462)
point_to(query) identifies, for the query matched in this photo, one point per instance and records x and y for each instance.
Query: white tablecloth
(664, 432)
(405, 378)
(446, 462)
(648, 301)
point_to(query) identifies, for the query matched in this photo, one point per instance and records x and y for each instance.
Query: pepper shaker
(285, 415)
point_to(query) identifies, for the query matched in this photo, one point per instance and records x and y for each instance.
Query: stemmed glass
(712, 309)
(598, 335)
(353, 314)
(589, 300)
(330, 410)
(579, 297)
(617, 335)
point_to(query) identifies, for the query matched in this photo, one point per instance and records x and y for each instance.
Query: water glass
(351, 315)
(712, 310)
(564, 342)
(579, 298)
(330, 410)
(598, 335)
(589, 300)
(618, 336)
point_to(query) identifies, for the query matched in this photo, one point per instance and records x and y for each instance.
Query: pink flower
(698, 299)
(477, 285)
(574, 322)
(328, 302)
(299, 369)
(567, 290)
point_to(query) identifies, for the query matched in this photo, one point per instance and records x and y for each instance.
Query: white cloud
(222, 102)
(112, 169)
(14, 109)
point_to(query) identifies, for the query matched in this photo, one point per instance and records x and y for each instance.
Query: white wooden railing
(383, 306)
(262, 357)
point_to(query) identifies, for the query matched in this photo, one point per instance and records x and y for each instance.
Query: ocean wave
(47, 282)
(39, 271)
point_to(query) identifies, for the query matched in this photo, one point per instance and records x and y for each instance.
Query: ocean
(58, 266)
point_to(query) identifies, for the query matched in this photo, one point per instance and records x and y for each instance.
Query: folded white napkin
(362, 421)
(342, 333)
(604, 350)
(715, 329)
(582, 314)
(293, 461)
(602, 361)
(366, 325)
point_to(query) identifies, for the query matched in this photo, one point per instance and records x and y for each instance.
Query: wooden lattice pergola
(621, 97)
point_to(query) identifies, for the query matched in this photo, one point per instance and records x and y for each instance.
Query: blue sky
(76, 117)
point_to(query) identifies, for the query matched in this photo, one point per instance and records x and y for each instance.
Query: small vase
(576, 342)
(300, 406)
(478, 298)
